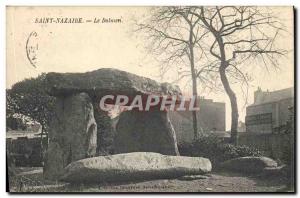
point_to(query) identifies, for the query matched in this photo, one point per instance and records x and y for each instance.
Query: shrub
(216, 149)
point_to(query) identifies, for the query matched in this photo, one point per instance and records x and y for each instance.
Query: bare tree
(173, 35)
(238, 36)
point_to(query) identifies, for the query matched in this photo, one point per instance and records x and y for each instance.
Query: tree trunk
(194, 84)
(42, 146)
(233, 103)
(194, 113)
(228, 90)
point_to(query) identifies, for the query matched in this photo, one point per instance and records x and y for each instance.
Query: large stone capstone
(72, 135)
(147, 132)
(134, 166)
(107, 81)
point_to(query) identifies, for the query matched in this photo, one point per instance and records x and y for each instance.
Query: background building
(270, 111)
(211, 119)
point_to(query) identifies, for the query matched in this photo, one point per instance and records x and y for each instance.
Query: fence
(25, 151)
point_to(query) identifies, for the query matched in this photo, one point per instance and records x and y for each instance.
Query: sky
(90, 46)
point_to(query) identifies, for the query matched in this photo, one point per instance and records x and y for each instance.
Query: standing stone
(105, 132)
(72, 135)
(54, 161)
(150, 131)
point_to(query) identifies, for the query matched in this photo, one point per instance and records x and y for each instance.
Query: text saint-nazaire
(58, 20)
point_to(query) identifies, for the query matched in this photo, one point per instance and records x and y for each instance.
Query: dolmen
(134, 167)
(77, 120)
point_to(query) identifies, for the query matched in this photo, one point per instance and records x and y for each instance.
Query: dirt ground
(31, 180)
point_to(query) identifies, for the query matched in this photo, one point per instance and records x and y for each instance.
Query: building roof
(273, 96)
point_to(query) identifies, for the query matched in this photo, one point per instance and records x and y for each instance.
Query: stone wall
(272, 145)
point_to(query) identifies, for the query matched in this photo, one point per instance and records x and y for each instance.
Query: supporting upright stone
(105, 133)
(72, 135)
(150, 131)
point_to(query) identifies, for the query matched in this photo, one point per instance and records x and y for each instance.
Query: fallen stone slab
(192, 177)
(251, 165)
(280, 171)
(106, 81)
(134, 166)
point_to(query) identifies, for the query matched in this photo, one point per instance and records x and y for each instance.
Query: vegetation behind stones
(216, 149)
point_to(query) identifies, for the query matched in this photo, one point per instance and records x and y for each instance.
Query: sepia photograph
(141, 99)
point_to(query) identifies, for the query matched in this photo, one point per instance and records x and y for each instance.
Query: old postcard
(150, 99)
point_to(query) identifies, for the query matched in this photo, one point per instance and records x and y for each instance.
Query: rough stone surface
(54, 161)
(192, 177)
(249, 164)
(134, 166)
(106, 81)
(105, 131)
(280, 171)
(72, 135)
(150, 131)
